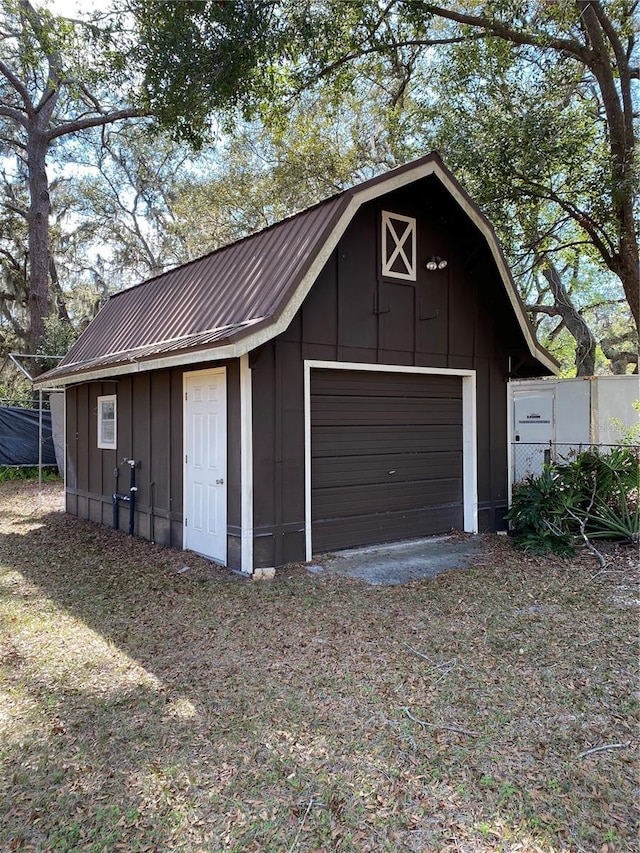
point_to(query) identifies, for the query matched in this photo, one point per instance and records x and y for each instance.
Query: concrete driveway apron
(402, 562)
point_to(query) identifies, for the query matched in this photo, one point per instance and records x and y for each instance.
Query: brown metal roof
(242, 282)
(188, 343)
(246, 286)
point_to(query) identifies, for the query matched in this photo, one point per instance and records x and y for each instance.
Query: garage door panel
(336, 534)
(351, 411)
(352, 441)
(345, 382)
(382, 468)
(381, 498)
(365, 425)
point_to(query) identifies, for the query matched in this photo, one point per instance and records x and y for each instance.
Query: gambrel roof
(234, 299)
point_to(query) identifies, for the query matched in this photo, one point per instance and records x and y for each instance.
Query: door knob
(219, 482)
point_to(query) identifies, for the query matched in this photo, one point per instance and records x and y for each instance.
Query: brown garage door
(386, 456)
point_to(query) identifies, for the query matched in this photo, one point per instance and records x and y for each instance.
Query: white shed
(548, 418)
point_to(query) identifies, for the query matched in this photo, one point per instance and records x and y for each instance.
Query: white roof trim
(359, 197)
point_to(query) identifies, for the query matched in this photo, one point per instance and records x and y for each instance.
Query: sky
(71, 8)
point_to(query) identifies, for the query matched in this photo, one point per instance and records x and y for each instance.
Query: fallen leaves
(151, 708)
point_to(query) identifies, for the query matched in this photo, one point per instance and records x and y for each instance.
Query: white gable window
(107, 422)
(398, 246)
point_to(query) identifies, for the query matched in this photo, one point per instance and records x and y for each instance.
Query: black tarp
(19, 437)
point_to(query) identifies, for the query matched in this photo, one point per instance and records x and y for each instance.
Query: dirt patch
(147, 708)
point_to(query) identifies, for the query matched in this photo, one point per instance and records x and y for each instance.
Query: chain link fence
(529, 458)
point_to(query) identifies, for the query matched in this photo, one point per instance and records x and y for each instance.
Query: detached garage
(335, 380)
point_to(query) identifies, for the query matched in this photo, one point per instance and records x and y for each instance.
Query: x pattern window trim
(398, 243)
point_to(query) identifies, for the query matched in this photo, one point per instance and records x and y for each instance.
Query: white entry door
(205, 464)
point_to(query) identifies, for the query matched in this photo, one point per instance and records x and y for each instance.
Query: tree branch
(13, 261)
(550, 310)
(90, 99)
(584, 220)
(555, 332)
(601, 304)
(19, 86)
(14, 208)
(469, 732)
(97, 121)
(504, 31)
(582, 524)
(387, 47)
(614, 340)
(11, 142)
(619, 53)
(49, 97)
(602, 748)
(17, 328)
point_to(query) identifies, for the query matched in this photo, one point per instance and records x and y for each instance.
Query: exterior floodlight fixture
(436, 263)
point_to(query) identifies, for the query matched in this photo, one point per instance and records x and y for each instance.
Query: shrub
(30, 472)
(537, 514)
(593, 495)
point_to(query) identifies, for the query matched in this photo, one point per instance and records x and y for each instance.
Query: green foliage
(28, 473)
(60, 78)
(618, 521)
(509, 98)
(59, 335)
(613, 479)
(537, 512)
(222, 59)
(591, 471)
(629, 435)
(263, 174)
(16, 390)
(594, 494)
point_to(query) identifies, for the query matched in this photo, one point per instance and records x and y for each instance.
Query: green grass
(143, 709)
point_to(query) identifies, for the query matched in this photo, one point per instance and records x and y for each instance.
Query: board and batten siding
(458, 318)
(150, 430)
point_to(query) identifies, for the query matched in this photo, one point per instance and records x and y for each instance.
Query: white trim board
(246, 467)
(469, 433)
(64, 445)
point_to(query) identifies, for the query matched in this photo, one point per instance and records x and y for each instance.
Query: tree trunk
(38, 219)
(629, 270)
(574, 322)
(610, 66)
(57, 294)
(619, 358)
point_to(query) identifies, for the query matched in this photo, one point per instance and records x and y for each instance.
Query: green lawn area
(148, 708)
